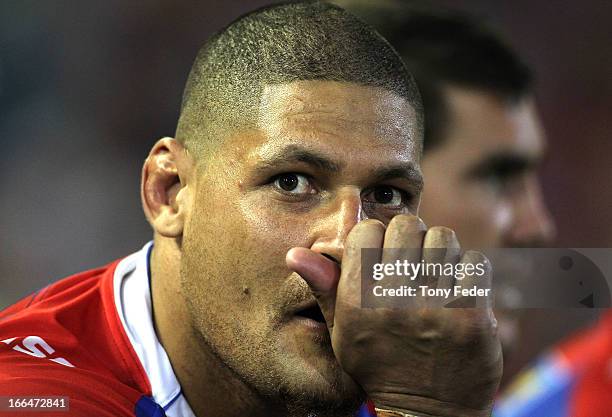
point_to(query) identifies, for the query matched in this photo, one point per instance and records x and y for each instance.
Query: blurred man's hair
(279, 44)
(446, 47)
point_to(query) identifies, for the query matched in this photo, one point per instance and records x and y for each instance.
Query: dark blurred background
(87, 87)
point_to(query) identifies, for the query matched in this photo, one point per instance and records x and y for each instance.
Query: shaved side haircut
(280, 44)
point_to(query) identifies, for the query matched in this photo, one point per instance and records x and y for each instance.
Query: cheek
(478, 219)
(232, 281)
(488, 208)
(272, 227)
(240, 248)
(484, 220)
(503, 216)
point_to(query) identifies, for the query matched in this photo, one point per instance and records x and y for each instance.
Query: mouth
(311, 316)
(313, 312)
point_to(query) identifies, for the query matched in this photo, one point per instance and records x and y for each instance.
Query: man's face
(481, 180)
(324, 156)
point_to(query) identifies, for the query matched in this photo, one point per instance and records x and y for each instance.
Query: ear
(163, 189)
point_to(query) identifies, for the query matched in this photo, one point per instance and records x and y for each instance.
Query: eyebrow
(506, 163)
(296, 153)
(404, 171)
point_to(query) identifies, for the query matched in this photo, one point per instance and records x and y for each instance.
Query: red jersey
(573, 380)
(90, 338)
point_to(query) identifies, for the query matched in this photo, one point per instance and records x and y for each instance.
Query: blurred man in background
(483, 145)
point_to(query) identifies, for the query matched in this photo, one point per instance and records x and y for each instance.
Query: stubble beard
(279, 376)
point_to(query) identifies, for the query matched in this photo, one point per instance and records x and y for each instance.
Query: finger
(475, 287)
(405, 231)
(485, 282)
(322, 276)
(403, 239)
(367, 234)
(440, 249)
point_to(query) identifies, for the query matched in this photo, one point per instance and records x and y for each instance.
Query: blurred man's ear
(163, 189)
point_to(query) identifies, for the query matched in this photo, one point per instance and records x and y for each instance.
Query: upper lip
(310, 310)
(304, 305)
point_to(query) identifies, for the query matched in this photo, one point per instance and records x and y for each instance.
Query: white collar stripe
(133, 301)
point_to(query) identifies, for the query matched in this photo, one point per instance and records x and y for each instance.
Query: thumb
(322, 276)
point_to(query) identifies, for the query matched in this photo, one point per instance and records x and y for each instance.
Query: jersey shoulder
(83, 393)
(68, 340)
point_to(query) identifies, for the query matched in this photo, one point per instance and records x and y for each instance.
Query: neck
(209, 385)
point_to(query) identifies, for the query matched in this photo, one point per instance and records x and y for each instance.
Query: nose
(534, 225)
(339, 217)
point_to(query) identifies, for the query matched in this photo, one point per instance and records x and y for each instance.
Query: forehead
(482, 122)
(342, 118)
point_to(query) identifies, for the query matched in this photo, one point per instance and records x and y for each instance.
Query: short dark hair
(309, 40)
(446, 47)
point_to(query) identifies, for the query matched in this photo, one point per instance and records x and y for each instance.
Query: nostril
(328, 256)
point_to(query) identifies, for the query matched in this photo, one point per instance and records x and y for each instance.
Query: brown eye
(387, 195)
(384, 195)
(293, 183)
(288, 182)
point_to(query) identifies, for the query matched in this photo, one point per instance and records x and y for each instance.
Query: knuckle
(407, 222)
(364, 227)
(369, 223)
(474, 256)
(442, 232)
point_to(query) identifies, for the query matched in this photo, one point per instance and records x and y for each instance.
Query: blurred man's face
(325, 155)
(481, 180)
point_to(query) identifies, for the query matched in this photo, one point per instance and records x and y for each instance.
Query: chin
(318, 383)
(317, 397)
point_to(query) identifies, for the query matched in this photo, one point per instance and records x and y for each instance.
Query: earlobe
(163, 187)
